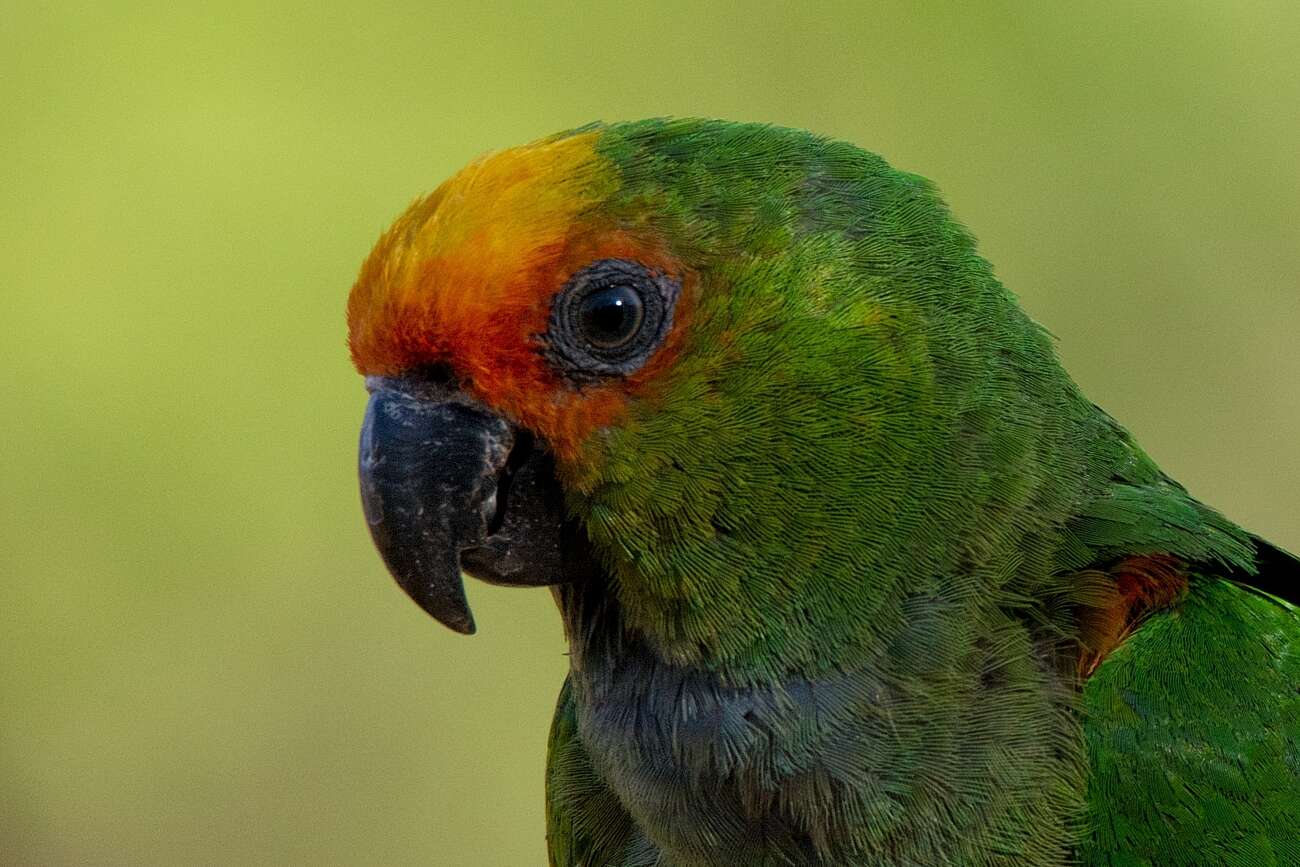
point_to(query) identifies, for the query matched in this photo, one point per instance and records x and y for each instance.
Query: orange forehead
(466, 277)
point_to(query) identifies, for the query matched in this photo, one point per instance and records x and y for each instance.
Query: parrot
(849, 569)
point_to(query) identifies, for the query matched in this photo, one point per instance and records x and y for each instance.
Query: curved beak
(446, 485)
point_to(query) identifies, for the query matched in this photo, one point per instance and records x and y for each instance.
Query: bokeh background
(202, 660)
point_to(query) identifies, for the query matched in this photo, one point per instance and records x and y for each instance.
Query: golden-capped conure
(850, 571)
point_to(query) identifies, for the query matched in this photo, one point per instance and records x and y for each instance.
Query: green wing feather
(1192, 724)
(1193, 732)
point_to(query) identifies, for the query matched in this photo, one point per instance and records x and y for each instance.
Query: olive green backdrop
(202, 660)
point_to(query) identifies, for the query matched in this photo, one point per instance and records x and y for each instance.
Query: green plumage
(849, 540)
(1193, 733)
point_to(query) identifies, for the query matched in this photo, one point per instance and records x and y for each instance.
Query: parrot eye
(609, 319)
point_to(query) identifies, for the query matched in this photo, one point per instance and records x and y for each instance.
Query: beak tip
(459, 621)
(445, 602)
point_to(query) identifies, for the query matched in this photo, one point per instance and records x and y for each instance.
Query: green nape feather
(846, 541)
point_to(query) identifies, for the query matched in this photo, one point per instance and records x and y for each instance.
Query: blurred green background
(202, 660)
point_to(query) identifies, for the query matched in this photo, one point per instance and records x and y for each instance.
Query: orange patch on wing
(466, 277)
(1143, 585)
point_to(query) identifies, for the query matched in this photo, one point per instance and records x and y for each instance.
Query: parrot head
(752, 387)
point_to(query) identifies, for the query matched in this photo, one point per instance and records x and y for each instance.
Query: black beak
(447, 485)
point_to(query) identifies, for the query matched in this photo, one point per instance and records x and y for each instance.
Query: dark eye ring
(609, 319)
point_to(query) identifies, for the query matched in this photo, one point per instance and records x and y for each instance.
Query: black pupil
(610, 316)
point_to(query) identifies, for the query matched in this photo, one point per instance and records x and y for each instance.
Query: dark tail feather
(1279, 572)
